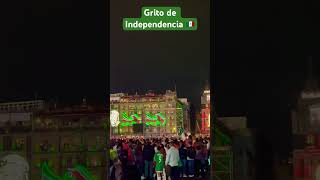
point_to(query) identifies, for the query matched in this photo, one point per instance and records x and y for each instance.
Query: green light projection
(131, 118)
(151, 120)
(129, 121)
(79, 172)
(155, 120)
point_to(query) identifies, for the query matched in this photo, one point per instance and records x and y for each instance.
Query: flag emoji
(190, 24)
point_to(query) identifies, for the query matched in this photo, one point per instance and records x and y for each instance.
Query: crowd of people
(159, 158)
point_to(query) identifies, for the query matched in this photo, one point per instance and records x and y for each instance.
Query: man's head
(148, 142)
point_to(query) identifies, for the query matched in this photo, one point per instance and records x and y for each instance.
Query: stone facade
(167, 104)
(62, 138)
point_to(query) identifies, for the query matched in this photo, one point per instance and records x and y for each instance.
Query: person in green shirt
(159, 161)
(113, 154)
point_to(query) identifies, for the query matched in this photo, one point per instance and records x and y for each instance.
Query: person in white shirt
(172, 160)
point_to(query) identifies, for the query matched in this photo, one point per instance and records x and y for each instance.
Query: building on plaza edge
(205, 111)
(61, 137)
(305, 130)
(149, 114)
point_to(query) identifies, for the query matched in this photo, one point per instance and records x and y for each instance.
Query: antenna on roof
(84, 101)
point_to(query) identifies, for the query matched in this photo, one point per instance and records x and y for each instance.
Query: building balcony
(69, 126)
(45, 127)
(15, 127)
(20, 129)
(95, 163)
(70, 148)
(94, 125)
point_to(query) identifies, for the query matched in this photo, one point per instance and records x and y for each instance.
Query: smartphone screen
(159, 89)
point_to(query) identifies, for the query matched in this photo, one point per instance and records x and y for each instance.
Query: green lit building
(223, 158)
(147, 115)
(233, 150)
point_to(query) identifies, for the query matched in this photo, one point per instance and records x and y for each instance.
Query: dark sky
(261, 49)
(57, 48)
(156, 60)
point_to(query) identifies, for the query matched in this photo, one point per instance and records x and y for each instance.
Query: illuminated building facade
(148, 115)
(60, 137)
(186, 114)
(305, 130)
(22, 106)
(205, 112)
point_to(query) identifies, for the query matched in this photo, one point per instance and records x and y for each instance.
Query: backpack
(191, 153)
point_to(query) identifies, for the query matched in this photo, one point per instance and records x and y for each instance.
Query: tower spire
(311, 83)
(207, 86)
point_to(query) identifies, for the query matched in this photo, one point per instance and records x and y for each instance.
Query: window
(92, 122)
(19, 123)
(45, 146)
(19, 144)
(94, 161)
(67, 147)
(68, 162)
(66, 123)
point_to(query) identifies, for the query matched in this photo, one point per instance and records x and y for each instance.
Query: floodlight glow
(114, 118)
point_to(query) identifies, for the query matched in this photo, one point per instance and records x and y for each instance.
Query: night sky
(261, 50)
(142, 61)
(55, 48)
